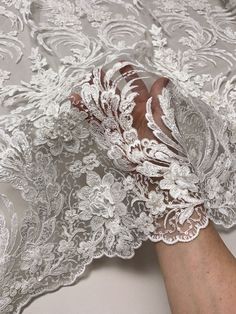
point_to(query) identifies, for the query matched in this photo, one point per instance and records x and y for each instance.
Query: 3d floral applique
(82, 184)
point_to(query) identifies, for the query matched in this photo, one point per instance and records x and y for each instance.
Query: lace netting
(80, 184)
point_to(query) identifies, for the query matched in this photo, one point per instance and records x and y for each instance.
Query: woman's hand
(138, 86)
(200, 275)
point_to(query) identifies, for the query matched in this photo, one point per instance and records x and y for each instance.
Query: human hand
(143, 94)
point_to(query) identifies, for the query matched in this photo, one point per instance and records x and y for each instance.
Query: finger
(158, 86)
(155, 91)
(108, 84)
(138, 84)
(77, 101)
(140, 88)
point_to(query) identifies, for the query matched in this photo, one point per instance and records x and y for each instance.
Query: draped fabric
(77, 179)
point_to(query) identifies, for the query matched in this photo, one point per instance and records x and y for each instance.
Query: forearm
(200, 276)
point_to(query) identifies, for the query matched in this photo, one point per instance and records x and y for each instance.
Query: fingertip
(158, 86)
(75, 99)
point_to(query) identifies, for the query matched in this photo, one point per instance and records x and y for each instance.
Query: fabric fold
(79, 181)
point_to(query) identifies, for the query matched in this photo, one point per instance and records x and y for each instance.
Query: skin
(200, 275)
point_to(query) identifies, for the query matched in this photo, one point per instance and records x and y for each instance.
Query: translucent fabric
(79, 178)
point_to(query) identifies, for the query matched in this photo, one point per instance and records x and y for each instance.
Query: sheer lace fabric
(74, 189)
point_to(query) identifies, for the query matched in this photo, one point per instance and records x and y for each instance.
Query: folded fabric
(80, 183)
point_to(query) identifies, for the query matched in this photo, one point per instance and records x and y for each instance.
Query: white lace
(88, 185)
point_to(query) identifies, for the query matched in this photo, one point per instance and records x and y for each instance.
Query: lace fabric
(80, 184)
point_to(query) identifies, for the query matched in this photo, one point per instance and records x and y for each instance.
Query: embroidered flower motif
(63, 132)
(89, 163)
(179, 180)
(123, 247)
(114, 226)
(101, 197)
(103, 216)
(13, 289)
(213, 188)
(145, 223)
(86, 249)
(66, 246)
(129, 183)
(76, 168)
(71, 215)
(35, 255)
(155, 202)
(230, 198)
(157, 35)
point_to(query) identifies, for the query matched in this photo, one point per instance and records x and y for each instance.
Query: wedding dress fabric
(80, 184)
